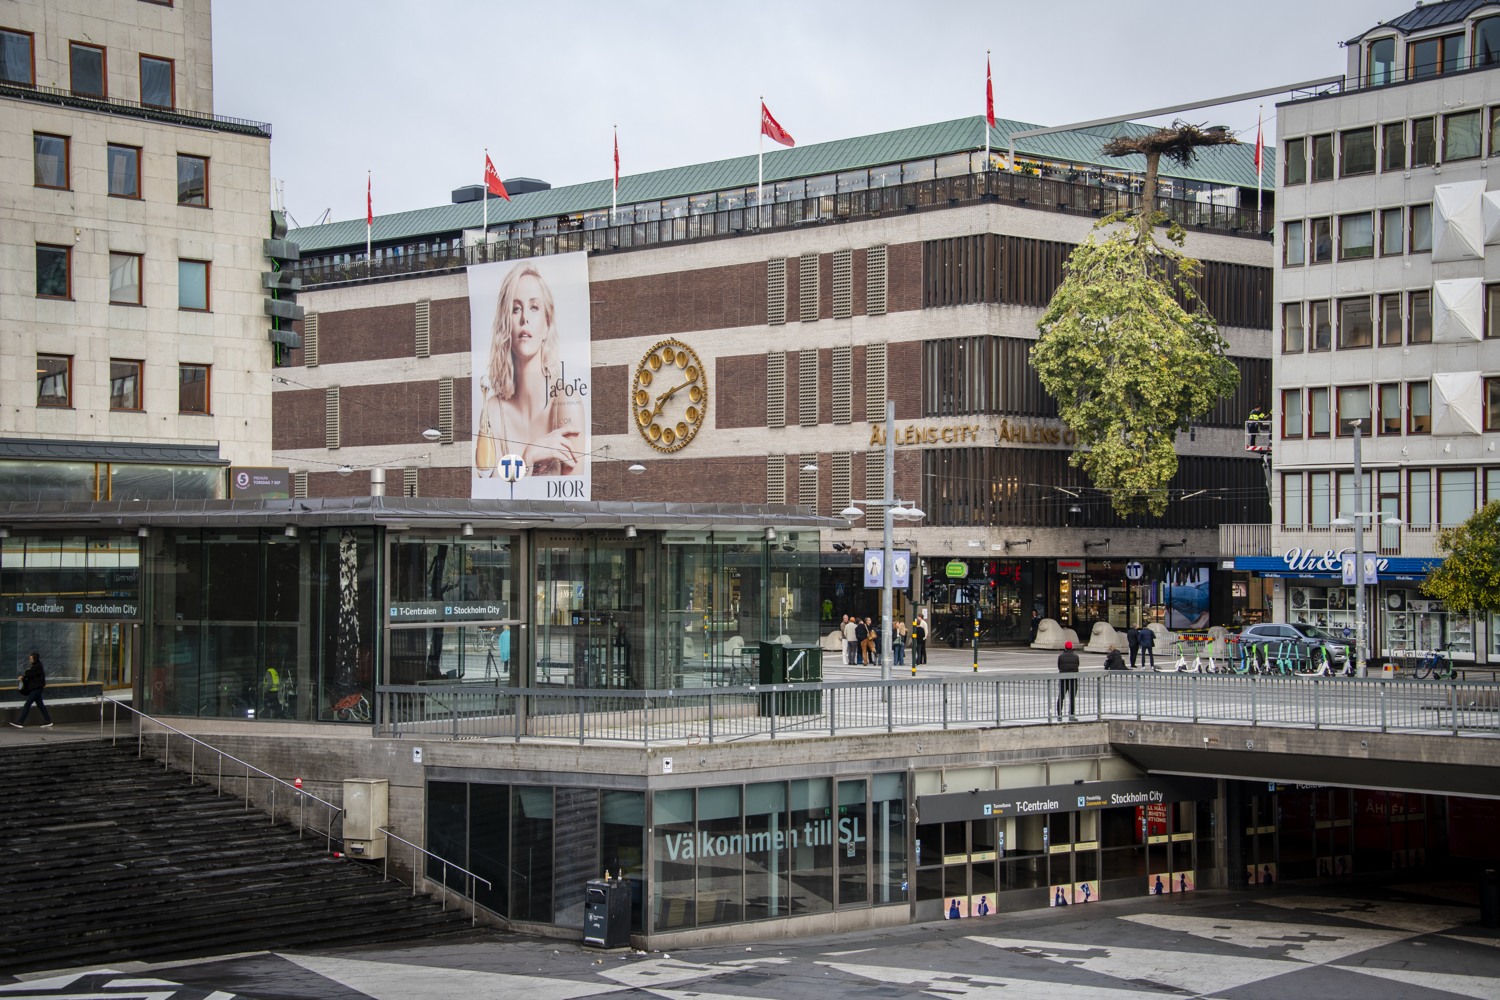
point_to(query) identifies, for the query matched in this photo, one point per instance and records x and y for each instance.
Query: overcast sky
(414, 90)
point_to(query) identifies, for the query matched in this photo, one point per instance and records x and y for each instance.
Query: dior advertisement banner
(529, 349)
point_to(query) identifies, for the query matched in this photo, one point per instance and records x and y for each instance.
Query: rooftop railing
(725, 715)
(134, 109)
(1083, 194)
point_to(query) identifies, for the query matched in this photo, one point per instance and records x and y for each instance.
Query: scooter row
(1267, 658)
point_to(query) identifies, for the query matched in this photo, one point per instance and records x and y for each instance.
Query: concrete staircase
(106, 858)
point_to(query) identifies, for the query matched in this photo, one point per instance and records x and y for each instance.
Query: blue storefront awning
(1303, 565)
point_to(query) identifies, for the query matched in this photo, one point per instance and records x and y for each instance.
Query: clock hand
(662, 399)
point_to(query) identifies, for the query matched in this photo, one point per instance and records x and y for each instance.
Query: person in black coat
(1113, 660)
(33, 681)
(1147, 640)
(1132, 637)
(1067, 665)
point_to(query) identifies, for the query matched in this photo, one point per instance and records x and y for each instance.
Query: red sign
(1070, 566)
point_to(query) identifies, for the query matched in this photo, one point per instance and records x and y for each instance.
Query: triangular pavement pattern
(1481, 987)
(653, 973)
(1318, 945)
(396, 981)
(949, 985)
(1419, 918)
(1182, 971)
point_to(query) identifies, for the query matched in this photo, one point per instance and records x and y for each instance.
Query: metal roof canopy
(400, 513)
(154, 453)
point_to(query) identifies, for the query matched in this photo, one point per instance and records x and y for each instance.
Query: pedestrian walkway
(1336, 941)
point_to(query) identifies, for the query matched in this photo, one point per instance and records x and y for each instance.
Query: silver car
(1336, 648)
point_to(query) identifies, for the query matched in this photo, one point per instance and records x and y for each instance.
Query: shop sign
(1090, 796)
(1070, 566)
(957, 569)
(70, 609)
(259, 483)
(1311, 563)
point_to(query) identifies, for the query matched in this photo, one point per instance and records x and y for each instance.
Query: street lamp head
(431, 434)
(911, 513)
(1342, 522)
(636, 469)
(851, 513)
(1393, 522)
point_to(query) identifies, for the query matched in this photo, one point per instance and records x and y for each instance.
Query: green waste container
(797, 663)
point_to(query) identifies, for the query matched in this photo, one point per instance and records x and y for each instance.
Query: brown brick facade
(739, 398)
(367, 334)
(706, 299)
(448, 325)
(609, 411)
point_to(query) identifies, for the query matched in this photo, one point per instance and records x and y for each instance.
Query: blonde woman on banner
(521, 415)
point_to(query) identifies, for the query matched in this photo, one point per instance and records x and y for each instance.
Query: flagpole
(760, 160)
(614, 195)
(988, 100)
(1260, 165)
(369, 225)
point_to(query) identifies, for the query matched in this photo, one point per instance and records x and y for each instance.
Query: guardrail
(723, 715)
(472, 878)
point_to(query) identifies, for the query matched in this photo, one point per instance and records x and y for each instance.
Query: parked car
(1310, 636)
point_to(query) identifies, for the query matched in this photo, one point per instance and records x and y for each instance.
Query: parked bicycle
(1437, 665)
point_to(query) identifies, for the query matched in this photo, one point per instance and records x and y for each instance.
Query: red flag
(1259, 145)
(772, 129)
(617, 161)
(989, 95)
(492, 182)
(369, 204)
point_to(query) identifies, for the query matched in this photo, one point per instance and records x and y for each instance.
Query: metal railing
(472, 878)
(273, 783)
(134, 109)
(722, 715)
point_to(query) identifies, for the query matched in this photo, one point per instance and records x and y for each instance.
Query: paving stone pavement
(1349, 942)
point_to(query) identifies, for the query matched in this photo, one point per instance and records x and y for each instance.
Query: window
(1393, 146)
(1317, 413)
(124, 171)
(125, 278)
(192, 285)
(1356, 325)
(54, 272)
(1434, 56)
(1354, 404)
(1455, 496)
(1423, 143)
(86, 64)
(1419, 408)
(1296, 161)
(1322, 157)
(1322, 326)
(1419, 316)
(192, 180)
(1293, 336)
(1492, 312)
(1487, 42)
(1358, 153)
(1461, 136)
(1292, 509)
(1291, 413)
(1351, 497)
(1419, 498)
(54, 380)
(192, 388)
(1381, 63)
(1492, 404)
(124, 384)
(1322, 241)
(50, 156)
(1320, 489)
(1293, 245)
(1421, 229)
(16, 63)
(1390, 409)
(1390, 320)
(1356, 236)
(158, 85)
(1495, 131)
(1392, 232)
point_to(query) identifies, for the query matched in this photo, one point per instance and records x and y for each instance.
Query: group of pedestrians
(862, 641)
(1142, 643)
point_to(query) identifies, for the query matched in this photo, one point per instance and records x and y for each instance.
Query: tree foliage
(1469, 577)
(1129, 365)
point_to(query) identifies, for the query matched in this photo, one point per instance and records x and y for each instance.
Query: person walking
(868, 645)
(1067, 666)
(861, 635)
(1147, 640)
(851, 642)
(918, 642)
(1134, 638)
(33, 681)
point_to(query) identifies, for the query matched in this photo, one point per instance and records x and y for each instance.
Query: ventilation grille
(299, 485)
(807, 388)
(839, 487)
(775, 479)
(875, 280)
(776, 389)
(807, 480)
(409, 482)
(875, 383)
(310, 340)
(445, 410)
(874, 486)
(843, 384)
(424, 328)
(776, 291)
(807, 288)
(843, 284)
(331, 417)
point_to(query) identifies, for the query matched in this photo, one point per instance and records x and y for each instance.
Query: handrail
(473, 902)
(334, 810)
(134, 109)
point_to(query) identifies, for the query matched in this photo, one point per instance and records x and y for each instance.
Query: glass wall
(455, 609)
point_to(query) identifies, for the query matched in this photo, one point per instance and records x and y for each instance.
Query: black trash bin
(606, 913)
(1489, 898)
(796, 663)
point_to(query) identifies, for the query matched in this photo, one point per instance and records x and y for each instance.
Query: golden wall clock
(669, 396)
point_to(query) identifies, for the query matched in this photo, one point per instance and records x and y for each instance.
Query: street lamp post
(1356, 518)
